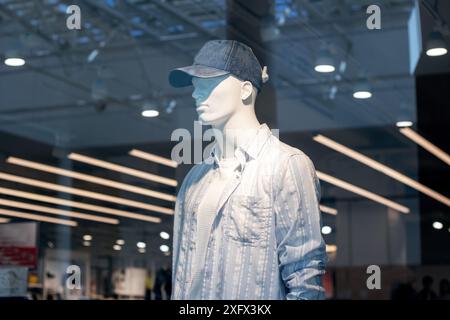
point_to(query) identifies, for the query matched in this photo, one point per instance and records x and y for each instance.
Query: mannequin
(247, 219)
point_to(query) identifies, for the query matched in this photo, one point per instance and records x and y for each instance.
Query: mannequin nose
(196, 95)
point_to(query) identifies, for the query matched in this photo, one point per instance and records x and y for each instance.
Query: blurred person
(444, 289)
(404, 291)
(427, 292)
(168, 281)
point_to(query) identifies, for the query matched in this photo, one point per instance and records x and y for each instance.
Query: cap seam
(233, 43)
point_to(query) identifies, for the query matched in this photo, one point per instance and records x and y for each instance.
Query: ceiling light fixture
(438, 225)
(90, 178)
(427, 145)
(325, 62)
(382, 168)
(43, 209)
(153, 158)
(326, 230)
(76, 204)
(328, 210)
(164, 235)
(29, 216)
(84, 193)
(122, 169)
(362, 90)
(141, 245)
(149, 110)
(436, 45)
(362, 192)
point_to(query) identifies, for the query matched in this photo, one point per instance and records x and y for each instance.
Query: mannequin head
(219, 99)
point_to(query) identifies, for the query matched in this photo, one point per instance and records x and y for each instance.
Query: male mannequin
(247, 220)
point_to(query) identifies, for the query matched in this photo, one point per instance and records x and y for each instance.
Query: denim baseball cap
(217, 58)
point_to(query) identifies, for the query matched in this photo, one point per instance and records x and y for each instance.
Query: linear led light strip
(362, 192)
(17, 214)
(328, 210)
(427, 145)
(331, 248)
(89, 178)
(84, 193)
(153, 158)
(122, 169)
(73, 214)
(4, 220)
(80, 205)
(382, 168)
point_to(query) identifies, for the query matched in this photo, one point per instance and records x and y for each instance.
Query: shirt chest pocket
(248, 220)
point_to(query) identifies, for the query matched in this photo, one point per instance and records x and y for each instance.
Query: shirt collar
(249, 150)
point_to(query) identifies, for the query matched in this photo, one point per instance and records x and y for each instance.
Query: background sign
(18, 244)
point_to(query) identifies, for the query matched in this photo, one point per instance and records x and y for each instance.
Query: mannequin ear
(246, 90)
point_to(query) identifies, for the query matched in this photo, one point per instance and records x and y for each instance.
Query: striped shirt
(265, 240)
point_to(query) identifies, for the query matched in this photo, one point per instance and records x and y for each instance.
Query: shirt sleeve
(300, 246)
(178, 223)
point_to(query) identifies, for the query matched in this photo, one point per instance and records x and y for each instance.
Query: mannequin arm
(301, 249)
(177, 225)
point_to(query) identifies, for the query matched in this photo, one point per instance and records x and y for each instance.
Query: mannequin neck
(236, 131)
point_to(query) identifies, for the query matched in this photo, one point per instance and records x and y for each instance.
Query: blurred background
(86, 118)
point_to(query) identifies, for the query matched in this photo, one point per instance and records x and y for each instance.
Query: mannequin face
(218, 98)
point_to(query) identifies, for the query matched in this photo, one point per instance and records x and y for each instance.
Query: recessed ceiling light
(164, 235)
(438, 225)
(117, 247)
(362, 90)
(120, 242)
(141, 245)
(436, 45)
(404, 124)
(326, 229)
(150, 113)
(164, 248)
(324, 62)
(14, 62)
(87, 237)
(362, 94)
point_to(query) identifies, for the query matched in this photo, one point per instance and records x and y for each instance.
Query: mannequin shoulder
(280, 156)
(284, 151)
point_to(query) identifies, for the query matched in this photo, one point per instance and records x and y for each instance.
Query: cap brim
(182, 77)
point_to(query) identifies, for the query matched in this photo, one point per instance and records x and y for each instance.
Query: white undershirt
(206, 213)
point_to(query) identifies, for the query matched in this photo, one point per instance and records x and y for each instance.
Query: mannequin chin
(221, 98)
